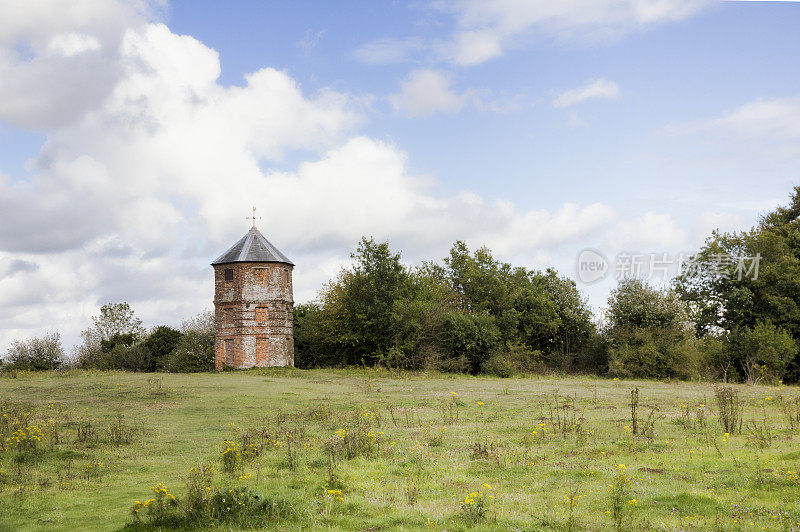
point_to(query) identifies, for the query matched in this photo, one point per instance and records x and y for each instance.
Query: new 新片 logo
(591, 266)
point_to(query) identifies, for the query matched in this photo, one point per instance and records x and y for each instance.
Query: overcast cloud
(151, 164)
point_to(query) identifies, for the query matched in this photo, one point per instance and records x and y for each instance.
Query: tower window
(229, 274)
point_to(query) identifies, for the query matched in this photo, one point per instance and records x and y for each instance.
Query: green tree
(116, 324)
(649, 333)
(539, 311)
(573, 344)
(420, 318)
(762, 352)
(727, 295)
(455, 315)
(116, 319)
(468, 340)
(194, 351)
(358, 320)
(312, 346)
(161, 341)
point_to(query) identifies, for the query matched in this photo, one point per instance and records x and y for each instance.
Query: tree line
(473, 313)
(470, 313)
(117, 340)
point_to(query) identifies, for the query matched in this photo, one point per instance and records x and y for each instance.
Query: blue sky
(699, 68)
(135, 136)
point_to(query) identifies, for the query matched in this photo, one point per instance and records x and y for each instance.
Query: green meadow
(366, 449)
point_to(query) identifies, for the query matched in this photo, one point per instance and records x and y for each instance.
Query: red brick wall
(254, 310)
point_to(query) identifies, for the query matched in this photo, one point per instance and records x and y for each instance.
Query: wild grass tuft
(730, 409)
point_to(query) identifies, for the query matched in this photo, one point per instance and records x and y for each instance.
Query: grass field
(369, 449)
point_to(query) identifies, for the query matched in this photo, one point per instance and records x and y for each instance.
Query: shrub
(715, 361)
(194, 353)
(791, 411)
(513, 360)
(123, 339)
(120, 432)
(763, 352)
(25, 440)
(468, 340)
(311, 347)
(198, 491)
(132, 357)
(36, 354)
(356, 440)
(160, 344)
(649, 333)
(123, 352)
(15, 431)
(205, 508)
(231, 456)
(115, 325)
(652, 353)
(448, 316)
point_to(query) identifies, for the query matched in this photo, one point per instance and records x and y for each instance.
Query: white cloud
(131, 200)
(650, 232)
(310, 40)
(724, 221)
(426, 91)
(759, 137)
(594, 90)
(71, 46)
(774, 120)
(474, 47)
(134, 196)
(389, 50)
(486, 29)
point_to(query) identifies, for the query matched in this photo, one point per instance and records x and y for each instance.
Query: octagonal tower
(253, 305)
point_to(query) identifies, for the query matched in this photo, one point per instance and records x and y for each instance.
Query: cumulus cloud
(133, 197)
(426, 91)
(597, 89)
(71, 46)
(473, 47)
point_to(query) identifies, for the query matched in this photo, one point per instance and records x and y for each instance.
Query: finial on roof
(253, 217)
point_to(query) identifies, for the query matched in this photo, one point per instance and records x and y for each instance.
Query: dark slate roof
(252, 247)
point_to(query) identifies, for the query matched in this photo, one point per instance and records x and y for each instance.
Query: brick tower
(253, 305)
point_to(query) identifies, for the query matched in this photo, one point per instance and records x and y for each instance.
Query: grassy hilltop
(369, 449)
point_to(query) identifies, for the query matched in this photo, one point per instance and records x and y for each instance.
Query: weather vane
(253, 217)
